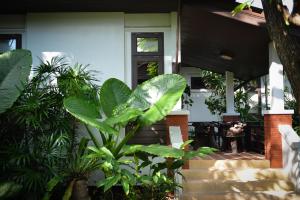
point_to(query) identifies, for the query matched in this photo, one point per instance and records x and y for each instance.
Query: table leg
(233, 143)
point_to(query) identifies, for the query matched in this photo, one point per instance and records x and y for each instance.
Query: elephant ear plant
(14, 71)
(121, 107)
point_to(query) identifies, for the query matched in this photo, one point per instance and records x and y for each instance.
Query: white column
(229, 93)
(276, 82)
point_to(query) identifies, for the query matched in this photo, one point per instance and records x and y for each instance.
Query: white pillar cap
(278, 112)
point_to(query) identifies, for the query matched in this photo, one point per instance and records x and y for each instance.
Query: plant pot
(80, 190)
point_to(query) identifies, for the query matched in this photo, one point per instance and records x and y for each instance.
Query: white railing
(291, 154)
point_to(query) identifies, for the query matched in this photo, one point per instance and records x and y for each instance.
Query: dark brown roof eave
(130, 6)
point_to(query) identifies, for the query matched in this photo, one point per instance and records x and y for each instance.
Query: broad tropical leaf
(14, 71)
(162, 93)
(124, 117)
(125, 184)
(102, 151)
(9, 189)
(241, 7)
(147, 180)
(155, 149)
(185, 144)
(163, 151)
(109, 182)
(113, 93)
(88, 113)
(202, 151)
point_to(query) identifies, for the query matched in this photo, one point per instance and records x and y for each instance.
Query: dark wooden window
(147, 62)
(197, 83)
(147, 56)
(10, 42)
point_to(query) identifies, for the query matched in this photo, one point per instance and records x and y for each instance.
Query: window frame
(158, 35)
(146, 56)
(17, 37)
(197, 89)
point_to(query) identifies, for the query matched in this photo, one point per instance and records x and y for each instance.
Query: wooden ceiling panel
(206, 35)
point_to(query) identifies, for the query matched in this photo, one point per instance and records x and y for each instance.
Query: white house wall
(88, 38)
(198, 111)
(102, 40)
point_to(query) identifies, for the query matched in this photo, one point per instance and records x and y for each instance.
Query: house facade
(124, 38)
(101, 39)
(105, 36)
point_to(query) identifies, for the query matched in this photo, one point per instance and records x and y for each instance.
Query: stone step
(250, 174)
(208, 185)
(228, 164)
(262, 195)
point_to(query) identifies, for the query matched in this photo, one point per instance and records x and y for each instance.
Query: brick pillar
(277, 115)
(179, 118)
(273, 139)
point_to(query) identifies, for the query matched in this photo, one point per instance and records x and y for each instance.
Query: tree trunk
(286, 42)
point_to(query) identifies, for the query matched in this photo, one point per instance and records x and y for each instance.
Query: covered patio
(239, 47)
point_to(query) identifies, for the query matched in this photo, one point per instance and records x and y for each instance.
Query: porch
(238, 48)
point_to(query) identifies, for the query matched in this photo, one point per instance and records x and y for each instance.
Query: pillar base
(273, 139)
(179, 118)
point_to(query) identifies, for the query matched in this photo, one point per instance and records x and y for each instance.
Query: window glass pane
(147, 44)
(7, 44)
(146, 70)
(197, 83)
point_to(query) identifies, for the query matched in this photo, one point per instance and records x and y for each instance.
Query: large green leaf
(100, 152)
(113, 93)
(125, 184)
(154, 149)
(202, 151)
(109, 182)
(88, 113)
(162, 93)
(125, 116)
(14, 71)
(9, 189)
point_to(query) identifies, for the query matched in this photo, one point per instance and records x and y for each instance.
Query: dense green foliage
(37, 134)
(121, 107)
(40, 156)
(216, 101)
